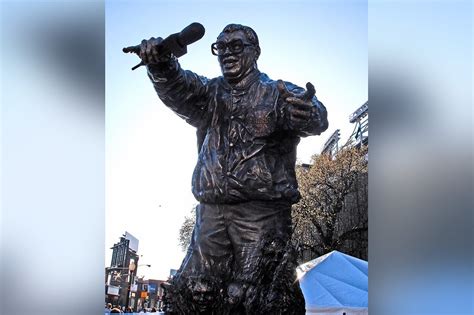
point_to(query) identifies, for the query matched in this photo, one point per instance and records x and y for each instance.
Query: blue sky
(151, 153)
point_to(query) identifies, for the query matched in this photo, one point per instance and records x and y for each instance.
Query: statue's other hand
(299, 106)
(149, 51)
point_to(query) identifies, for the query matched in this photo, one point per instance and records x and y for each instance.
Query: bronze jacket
(246, 142)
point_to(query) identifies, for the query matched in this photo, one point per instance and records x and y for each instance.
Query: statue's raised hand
(150, 51)
(299, 107)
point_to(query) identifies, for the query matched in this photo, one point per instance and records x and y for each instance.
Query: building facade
(118, 276)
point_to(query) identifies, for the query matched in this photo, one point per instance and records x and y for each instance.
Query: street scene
(124, 290)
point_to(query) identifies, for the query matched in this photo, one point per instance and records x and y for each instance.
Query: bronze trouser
(226, 237)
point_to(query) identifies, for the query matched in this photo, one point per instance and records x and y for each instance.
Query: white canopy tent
(335, 283)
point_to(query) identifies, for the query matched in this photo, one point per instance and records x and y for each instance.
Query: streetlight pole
(134, 308)
(131, 269)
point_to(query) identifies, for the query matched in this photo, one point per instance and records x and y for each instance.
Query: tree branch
(348, 234)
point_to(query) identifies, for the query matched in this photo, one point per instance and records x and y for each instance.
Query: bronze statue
(240, 260)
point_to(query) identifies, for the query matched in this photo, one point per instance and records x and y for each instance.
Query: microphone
(175, 43)
(190, 34)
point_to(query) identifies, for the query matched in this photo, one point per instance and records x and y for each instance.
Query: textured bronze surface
(240, 260)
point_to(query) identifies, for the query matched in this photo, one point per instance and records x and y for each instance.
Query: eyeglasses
(235, 47)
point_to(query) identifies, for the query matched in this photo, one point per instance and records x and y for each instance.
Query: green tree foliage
(332, 213)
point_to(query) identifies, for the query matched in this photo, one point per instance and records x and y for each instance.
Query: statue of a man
(248, 128)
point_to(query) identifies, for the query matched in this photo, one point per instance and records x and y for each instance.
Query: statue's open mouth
(229, 62)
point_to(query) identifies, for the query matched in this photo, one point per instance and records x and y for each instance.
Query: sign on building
(133, 241)
(113, 290)
(152, 288)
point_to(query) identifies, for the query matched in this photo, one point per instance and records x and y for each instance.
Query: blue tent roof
(334, 280)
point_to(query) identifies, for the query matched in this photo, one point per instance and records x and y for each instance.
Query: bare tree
(332, 213)
(186, 230)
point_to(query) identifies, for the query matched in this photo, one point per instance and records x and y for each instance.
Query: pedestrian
(107, 309)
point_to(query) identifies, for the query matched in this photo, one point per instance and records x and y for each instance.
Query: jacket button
(232, 117)
(229, 173)
(231, 144)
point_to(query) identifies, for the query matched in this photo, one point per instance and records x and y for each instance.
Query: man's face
(235, 65)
